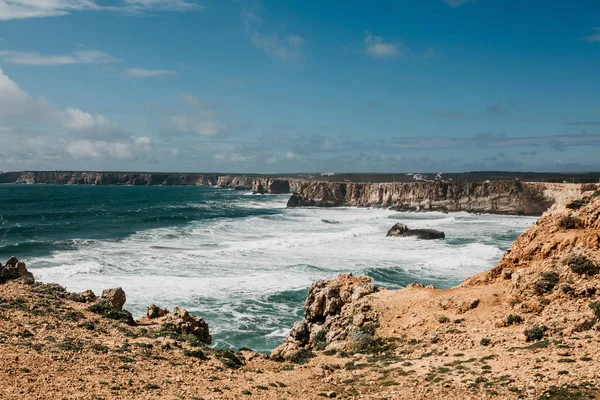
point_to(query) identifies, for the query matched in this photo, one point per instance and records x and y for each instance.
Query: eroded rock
(14, 269)
(402, 230)
(115, 297)
(332, 310)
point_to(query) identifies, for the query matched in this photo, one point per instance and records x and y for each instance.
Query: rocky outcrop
(236, 182)
(404, 231)
(564, 240)
(502, 197)
(116, 298)
(15, 269)
(179, 322)
(334, 314)
(271, 186)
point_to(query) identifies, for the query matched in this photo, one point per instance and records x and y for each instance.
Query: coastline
(513, 331)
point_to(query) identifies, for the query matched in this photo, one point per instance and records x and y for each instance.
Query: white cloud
(284, 47)
(197, 120)
(594, 37)
(13, 100)
(161, 5)
(21, 9)
(137, 147)
(82, 120)
(74, 132)
(292, 156)
(77, 57)
(147, 73)
(458, 3)
(376, 46)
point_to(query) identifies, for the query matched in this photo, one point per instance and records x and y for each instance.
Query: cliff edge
(500, 197)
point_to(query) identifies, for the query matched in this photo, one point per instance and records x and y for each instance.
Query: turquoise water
(243, 262)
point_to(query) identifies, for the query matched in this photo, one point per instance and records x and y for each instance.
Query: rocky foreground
(528, 328)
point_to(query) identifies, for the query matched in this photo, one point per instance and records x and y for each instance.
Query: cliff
(258, 184)
(502, 197)
(114, 178)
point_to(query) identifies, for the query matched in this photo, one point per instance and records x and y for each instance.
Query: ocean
(243, 262)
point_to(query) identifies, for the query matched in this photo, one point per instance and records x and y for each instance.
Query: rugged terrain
(527, 328)
(499, 197)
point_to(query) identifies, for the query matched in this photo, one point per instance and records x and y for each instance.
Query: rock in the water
(14, 269)
(403, 231)
(114, 297)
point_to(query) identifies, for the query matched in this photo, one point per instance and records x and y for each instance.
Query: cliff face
(260, 185)
(110, 178)
(504, 197)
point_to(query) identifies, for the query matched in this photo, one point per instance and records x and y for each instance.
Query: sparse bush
(443, 319)
(582, 265)
(569, 222)
(595, 306)
(228, 358)
(546, 282)
(104, 309)
(514, 319)
(197, 353)
(535, 333)
(301, 356)
(320, 340)
(586, 325)
(485, 341)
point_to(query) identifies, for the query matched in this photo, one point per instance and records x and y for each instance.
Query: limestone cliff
(258, 184)
(115, 178)
(502, 197)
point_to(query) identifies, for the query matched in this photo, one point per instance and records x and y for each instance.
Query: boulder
(154, 311)
(115, 298)
(14, 269)
(183, 323)
(87, 296)
(332, 309)
(404, 231)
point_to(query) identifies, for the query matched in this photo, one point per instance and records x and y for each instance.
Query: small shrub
(577, 204)
(229, 359)
(546, 282)
(197, 353)
(595, 306)
(443, 319)
(586, 325)
(301, 356)
(569, 222)
(582, 265)
(320, 340)
(89, 325)
(514, 319)
(104, 309)
(485, 341)
(535, 333)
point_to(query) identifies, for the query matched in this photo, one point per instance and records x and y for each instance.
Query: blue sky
(280, 86)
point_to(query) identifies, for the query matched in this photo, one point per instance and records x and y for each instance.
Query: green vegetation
(535, 333)
(546, 282)
(514, 319)
(570, 222)
(581, 265)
